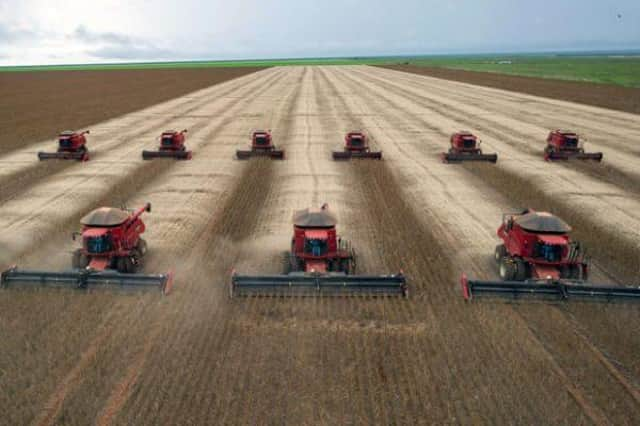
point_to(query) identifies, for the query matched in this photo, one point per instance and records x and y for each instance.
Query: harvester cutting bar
(324, 285)
(275, 154)
(180, 155)
(563, 289)
(79, 155)
(458, 158)
(596, 156)
(87, 278)
(347, 155)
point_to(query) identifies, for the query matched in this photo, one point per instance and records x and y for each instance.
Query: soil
(196, 355)
(601, 95)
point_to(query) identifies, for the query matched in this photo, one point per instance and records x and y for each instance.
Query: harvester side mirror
(86, 132)
(184, 130)
(75, 234)
(147, 208)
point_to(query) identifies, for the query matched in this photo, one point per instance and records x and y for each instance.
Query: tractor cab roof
(314, 218)
(105, 216)
(542, 222)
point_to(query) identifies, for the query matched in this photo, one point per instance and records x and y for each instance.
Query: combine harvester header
(111, 254)
(319, 263)
(538, 258)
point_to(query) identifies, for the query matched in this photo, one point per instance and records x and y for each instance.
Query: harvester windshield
(99, 243)
(167, 141)
(549, 252)
(357, 141)
(262, 140)
(571, 142)
(65, 142)
(316, 247)
(468, 143)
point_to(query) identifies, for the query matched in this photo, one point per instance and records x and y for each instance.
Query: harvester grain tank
(71, 146)
(465, 146)
(538, 257)
(171, 146)
(356, 145)
(261, 146)
(319, 262)
(111, 254)
(566, 145)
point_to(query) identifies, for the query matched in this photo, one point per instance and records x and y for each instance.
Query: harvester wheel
(141, 247)
(521, 270)
(500, 253)
(79, 260)
(129, 264)
(507, 269)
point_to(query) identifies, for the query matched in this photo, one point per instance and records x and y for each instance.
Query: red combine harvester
(537, 257)
(111, 254)
(356, 145)
(320, 262)
(71, 146)
(565, 145)
(261, 146)
(465, 146)
(171, 146)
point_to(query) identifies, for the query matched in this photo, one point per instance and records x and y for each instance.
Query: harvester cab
(261, 146)
(320, 262)
(566, 145)
(465, 146)
(537, 256)
(71, 146)
(171, 146)
(356, 145)
(111, 254)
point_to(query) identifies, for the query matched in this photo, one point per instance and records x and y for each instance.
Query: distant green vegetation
(619, 70)
(202, 64)
(623, 71)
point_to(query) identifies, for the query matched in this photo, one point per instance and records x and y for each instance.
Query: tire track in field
(124, 187)
(518, 104)
(611, 248)
(141, 358)
(23, 179)
(218, 127)
(511, 136)
(589, 409)
(244, 200)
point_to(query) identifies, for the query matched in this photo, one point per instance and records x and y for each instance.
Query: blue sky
(47, 32)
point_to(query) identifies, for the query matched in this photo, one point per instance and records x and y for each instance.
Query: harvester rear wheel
(507, 269)
(79, 260)
(500, 253)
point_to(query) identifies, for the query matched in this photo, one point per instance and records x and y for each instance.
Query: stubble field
(197, 357)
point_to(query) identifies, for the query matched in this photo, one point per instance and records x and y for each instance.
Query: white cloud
(73, 31)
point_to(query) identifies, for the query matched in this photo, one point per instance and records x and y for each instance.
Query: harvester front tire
(507, 269)
(521, 270)
(142, 247)
(500, 253)
(79, 260)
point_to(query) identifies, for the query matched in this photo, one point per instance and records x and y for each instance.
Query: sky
(98, 31)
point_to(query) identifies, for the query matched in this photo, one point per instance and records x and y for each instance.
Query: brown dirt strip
(37, 105)
(569, 383)
(121, 189)
(17, 182)
(618, 254)
(601, 95)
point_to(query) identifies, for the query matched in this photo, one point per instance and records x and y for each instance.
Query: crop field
(198, 357)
